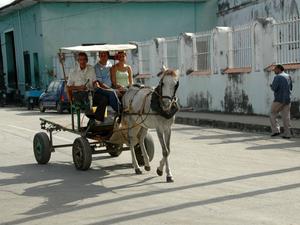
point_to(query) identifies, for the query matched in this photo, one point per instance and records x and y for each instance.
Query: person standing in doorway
(282, 87)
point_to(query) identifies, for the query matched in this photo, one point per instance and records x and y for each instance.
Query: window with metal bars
(144, 58)
(242, 47)
(287, 41)
(171, 55)
(202, 52)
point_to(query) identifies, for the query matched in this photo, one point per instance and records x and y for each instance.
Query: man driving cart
(83, 78)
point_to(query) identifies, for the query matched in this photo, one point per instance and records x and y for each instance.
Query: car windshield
(50, 87)
(56, 85)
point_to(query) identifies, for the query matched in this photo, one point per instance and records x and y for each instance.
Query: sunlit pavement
(221, 177)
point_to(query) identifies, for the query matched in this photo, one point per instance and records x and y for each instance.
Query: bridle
(158, 92)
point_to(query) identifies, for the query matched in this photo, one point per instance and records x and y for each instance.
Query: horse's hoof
(147, 168)
(170, 180)
(159, 172)
(138, 171)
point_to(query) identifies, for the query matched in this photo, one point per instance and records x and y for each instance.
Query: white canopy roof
(99, 48)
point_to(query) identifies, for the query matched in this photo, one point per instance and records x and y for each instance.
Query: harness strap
(141, 111)
(144, 103)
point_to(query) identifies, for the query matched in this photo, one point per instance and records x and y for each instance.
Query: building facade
(238, 12)
(229, 68)
(31, 32)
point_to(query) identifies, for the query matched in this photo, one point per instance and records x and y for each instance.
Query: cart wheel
(149, 145)
(59, 107)
(82, 153)
(41, 107)
(41, 148)
(114, 150)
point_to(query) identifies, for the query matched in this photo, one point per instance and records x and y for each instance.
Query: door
(36, 70)
(2, 75)
(12, 76)
(27, 69)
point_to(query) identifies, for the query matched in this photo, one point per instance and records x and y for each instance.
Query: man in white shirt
(82, 77)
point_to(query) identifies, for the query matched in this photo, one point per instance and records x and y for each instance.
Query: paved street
(221, 177)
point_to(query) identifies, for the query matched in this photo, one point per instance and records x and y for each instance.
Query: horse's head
(167, 88)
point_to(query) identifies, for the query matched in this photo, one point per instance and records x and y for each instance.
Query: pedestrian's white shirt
(80, 77)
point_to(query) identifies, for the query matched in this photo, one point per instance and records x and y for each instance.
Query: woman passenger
(121, 74)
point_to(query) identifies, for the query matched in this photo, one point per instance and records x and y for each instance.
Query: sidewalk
(232, 121)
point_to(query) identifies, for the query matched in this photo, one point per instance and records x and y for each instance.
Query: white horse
(150, 108)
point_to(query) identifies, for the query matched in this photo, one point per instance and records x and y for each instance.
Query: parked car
(32, 96)
(55, 97)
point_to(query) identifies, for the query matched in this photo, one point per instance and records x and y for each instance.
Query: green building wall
(27, 39)
(44, 27)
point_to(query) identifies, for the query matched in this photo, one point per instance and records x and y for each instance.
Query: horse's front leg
(160, 134)
(130, 141)
(143, 133)
(167, 135)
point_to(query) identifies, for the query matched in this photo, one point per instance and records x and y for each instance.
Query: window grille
(144, 58)
(242, 47)
(171, 55)
(287, 41)
(202, 52)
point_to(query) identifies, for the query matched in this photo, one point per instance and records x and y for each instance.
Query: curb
(259, 128)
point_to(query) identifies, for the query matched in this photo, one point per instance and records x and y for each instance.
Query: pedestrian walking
(282, 87)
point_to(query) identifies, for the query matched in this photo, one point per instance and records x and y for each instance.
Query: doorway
(2, 75)
(12, 76)
(36, 69)
(27, 69)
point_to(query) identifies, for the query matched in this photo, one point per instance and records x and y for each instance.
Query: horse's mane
(169, 72)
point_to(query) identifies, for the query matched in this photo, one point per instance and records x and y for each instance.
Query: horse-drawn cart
(109, 137)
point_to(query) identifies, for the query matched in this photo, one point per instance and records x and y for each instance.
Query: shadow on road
(231, 138)
(278, 146)
(53, 180)
(247, 137)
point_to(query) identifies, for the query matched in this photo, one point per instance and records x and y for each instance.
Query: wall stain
(188, 40)
(223, 5)
(294, 11)
(295, 106)
(235, 79)
(200, 101)
(236, 101)
(156, 42)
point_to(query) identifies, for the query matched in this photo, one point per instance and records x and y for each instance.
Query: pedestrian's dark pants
(101, 102)
(104, 97)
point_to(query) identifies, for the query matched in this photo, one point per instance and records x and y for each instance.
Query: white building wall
(238, 12)
(225, 88)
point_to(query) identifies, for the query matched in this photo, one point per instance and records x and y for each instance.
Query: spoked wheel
(113, 149)
(149, 145)
(82, 153)
(41, 148)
